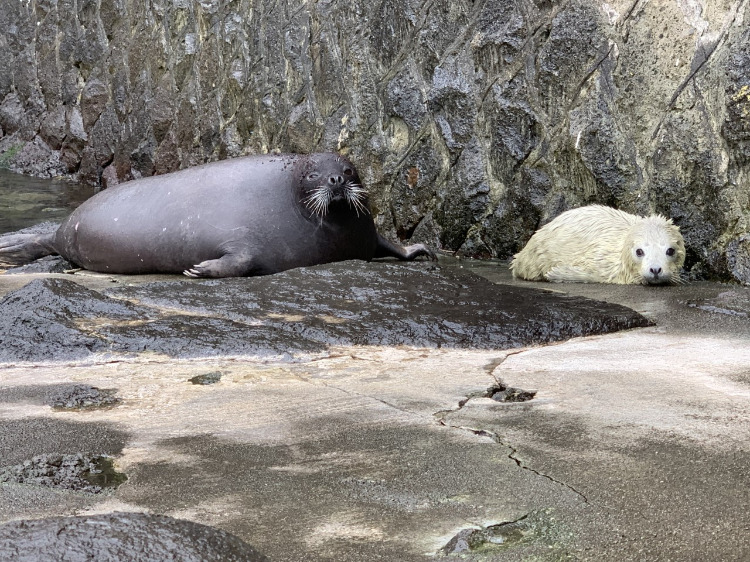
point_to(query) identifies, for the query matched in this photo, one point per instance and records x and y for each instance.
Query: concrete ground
(635, 445)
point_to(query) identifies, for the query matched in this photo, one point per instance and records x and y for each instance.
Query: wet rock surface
(120, 536)
(299, 311)
(80, 396)
(80, 472)
(39, 321)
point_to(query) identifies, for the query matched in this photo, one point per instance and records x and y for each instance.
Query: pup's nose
(655, 271)
(336, 180)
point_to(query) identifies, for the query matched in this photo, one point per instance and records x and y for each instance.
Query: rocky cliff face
(473, 122)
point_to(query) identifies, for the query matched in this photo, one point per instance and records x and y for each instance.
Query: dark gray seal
(246, 216)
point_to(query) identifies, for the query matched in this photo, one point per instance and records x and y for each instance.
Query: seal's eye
(639, 253)
(670, 251)
(348, 171)
(313, 176)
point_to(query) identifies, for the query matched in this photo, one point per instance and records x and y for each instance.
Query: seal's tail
(18, 249)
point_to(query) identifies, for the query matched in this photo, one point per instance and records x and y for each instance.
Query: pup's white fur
(598, 244)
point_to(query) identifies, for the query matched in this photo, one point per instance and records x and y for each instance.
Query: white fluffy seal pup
(598, 244)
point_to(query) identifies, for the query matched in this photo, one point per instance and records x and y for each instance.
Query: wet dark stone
(532, 527)
(120, 536)
(40, 320)
(81, 396)
(355, 303)
(503, 393)
(297, 311)
(79, 472)
(208, 378)
(47, 264)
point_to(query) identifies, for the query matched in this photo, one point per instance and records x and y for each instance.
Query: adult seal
(598, 244)
(254, 215)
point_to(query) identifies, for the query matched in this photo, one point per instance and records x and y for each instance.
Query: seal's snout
(655, 276)
(337, 187)
(337, 184)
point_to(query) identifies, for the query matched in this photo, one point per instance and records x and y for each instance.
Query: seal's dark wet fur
(245, 216)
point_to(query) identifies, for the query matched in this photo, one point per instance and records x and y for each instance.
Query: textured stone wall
(472, 122)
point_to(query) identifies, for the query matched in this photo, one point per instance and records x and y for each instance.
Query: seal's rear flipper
(19, 249)
(386, 249)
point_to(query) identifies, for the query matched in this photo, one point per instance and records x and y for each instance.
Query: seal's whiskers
(356, 196)
(318, 200)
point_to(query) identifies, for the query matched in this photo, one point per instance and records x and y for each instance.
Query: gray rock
(120, 536)
(295, 312)
(738, 258)
(78, 472)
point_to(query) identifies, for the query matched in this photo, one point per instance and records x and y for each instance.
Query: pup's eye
(670, 251)
(639, 253)
(313, 176)
(348, 171)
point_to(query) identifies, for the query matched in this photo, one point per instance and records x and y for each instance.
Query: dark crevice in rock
(498, 391)
(503, 393)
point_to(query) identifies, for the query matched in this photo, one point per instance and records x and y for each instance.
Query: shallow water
(26, 201)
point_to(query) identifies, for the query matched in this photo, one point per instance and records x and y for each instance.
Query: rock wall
(473, 122)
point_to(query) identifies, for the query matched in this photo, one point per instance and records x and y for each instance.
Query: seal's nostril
(655, 271)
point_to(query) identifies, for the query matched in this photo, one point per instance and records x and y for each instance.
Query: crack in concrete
(348, 392)
(490, 368)
(513, 455)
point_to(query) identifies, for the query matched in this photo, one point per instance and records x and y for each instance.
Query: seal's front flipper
(19, 249)
(228, 265)
(386, 249)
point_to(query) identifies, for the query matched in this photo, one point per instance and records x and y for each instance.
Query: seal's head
(654, 251)
(329, 182)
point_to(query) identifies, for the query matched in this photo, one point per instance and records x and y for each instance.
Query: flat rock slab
(120, 536)
(623, 444)
(297, 312)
